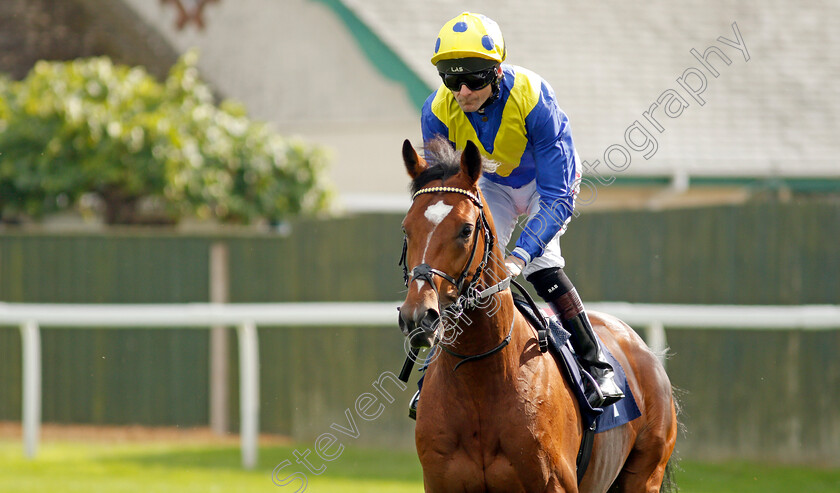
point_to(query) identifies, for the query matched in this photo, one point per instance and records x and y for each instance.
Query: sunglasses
(474, 81)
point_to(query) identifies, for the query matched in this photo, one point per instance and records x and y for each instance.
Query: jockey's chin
(469, 100)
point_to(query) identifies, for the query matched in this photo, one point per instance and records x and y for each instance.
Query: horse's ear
(414, 164)
(471, 161)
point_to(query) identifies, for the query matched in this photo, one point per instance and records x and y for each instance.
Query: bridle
(468, 296)
(426, 272)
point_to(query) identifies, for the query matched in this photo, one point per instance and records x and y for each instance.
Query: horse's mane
(444, 162)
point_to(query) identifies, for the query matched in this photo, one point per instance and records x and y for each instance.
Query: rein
(474, 357)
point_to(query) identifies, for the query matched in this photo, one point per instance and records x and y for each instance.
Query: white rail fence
(246, 317)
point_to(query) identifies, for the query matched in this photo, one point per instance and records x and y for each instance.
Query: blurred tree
(150, 152)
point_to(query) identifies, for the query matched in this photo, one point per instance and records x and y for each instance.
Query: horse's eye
(467, 231)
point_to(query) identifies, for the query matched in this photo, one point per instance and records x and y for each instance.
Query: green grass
(175, 468)
(185, 468)
(745, 477)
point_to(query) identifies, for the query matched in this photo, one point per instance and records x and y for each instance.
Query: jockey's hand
(514, 265)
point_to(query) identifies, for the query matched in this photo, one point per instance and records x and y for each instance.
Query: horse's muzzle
(419, 328)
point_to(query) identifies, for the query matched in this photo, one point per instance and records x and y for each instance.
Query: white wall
(294, 63)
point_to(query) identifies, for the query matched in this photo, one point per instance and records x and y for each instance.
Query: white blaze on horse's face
(435, 213)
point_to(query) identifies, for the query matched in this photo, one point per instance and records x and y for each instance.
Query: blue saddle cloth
(607, 418)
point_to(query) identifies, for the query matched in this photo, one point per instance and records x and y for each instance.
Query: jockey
(512, 115)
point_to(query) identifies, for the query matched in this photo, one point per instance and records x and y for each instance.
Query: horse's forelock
(444, 162)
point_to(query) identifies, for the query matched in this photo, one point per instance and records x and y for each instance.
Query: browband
(450, 189)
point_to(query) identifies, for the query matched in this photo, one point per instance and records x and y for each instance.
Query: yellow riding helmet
(469, 36)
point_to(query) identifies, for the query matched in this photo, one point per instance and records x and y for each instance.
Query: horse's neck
(486, 326)
(481, 330)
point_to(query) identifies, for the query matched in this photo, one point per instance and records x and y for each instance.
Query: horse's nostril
(418, 325)
(405, 325)
(430, 320)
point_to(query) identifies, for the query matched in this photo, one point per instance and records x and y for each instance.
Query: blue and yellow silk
(527, 133)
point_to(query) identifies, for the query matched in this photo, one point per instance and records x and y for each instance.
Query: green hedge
(111, 139)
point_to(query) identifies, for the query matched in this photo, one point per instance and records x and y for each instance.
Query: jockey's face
(470, 100)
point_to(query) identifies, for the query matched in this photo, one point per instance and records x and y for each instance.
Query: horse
(496, 413)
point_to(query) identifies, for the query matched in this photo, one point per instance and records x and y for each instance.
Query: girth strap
(585, 451)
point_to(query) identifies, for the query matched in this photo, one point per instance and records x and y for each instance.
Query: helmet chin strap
(496, 84)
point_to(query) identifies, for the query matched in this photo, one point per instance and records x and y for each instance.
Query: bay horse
(496, 414)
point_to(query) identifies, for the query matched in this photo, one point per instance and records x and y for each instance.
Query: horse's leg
(608, 455)
(656, 429)
(643, 472)
(645, 467)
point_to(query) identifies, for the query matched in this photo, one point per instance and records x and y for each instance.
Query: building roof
(772, 112)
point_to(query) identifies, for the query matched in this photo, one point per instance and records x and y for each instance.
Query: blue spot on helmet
(459, 27)
(487, 42)
(437, 45)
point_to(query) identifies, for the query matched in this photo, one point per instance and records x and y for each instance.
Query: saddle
(555, 339)
(557, 342)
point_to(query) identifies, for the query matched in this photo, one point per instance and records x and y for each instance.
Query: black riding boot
(557, 290)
